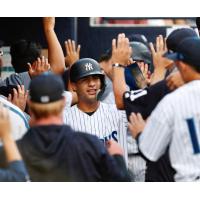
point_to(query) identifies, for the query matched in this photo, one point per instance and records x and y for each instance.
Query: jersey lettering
(112, 136)
(193, 135)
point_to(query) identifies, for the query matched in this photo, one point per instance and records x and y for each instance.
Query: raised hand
(146, 73)
(121, 51)
(158, 60)
(136, 124)
(73, 53)
(19, 97)
(38, 67)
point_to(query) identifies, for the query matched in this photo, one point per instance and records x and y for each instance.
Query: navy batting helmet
(141, 52)
(86, 67)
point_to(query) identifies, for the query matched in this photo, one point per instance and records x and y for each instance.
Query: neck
(51, 120)
(85, 107)
(191, 76)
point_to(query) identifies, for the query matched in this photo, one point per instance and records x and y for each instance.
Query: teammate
(89, 114)
(15, 170)
(19, 121)
(174, 124)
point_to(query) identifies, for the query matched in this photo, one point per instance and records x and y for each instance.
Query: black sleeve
(145, 104)
(121, 162)
(114, 169)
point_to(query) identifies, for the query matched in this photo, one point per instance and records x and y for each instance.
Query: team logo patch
(134, 94)
(88, 66)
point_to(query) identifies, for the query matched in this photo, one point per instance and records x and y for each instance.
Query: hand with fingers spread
(38, 67)
(121, 51)
(73, 53)
(114, 148)
(19, 97)
(145, 71)
(136, 124)
(174, 80)
(161, 48)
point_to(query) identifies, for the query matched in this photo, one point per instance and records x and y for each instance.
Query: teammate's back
(57, 153)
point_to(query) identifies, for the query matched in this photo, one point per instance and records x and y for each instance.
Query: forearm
(119, 86)
(55, 52)
(10, 148)
(158, 75)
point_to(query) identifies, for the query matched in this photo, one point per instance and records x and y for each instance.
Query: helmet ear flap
(103, 87)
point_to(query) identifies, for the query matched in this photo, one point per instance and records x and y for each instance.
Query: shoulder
(71, 108)
(179, 94)
(11, 107)
(108, 107)
(68, 98)
(112, 109)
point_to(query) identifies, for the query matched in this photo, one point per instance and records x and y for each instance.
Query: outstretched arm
(121, 52)
(55, 52)
(16, 170)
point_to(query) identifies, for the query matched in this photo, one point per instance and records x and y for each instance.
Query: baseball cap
(177, 36)
(46, 88)
(188, 52)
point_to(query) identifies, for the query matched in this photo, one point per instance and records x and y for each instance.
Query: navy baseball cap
(177, 36)
(46, 88)
(188, 51)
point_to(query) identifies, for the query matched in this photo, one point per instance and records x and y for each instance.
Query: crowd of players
(131, 116)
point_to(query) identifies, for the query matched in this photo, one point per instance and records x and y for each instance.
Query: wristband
(118, 65)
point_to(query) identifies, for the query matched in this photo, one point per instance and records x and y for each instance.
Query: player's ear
(73, 86)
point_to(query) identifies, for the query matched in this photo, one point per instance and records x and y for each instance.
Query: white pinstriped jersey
(19, 123)
(106, 123)
(176, 122)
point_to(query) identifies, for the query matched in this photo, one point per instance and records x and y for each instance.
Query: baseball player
(174, 125)
(19, 122)
(89, 114)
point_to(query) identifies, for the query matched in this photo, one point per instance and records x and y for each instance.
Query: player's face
(87, 88)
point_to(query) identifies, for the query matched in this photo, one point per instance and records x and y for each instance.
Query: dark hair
(106, 56)
(23, 52)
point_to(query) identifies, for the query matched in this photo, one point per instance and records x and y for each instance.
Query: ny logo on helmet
(88, 67)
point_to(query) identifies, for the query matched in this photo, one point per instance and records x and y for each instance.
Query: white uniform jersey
(106, 123)
(68, 98)
(18, 121)
(176, 123)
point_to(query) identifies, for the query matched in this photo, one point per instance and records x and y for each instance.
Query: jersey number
(193, 135)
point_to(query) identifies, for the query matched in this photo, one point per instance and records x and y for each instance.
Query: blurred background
(93, 33)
